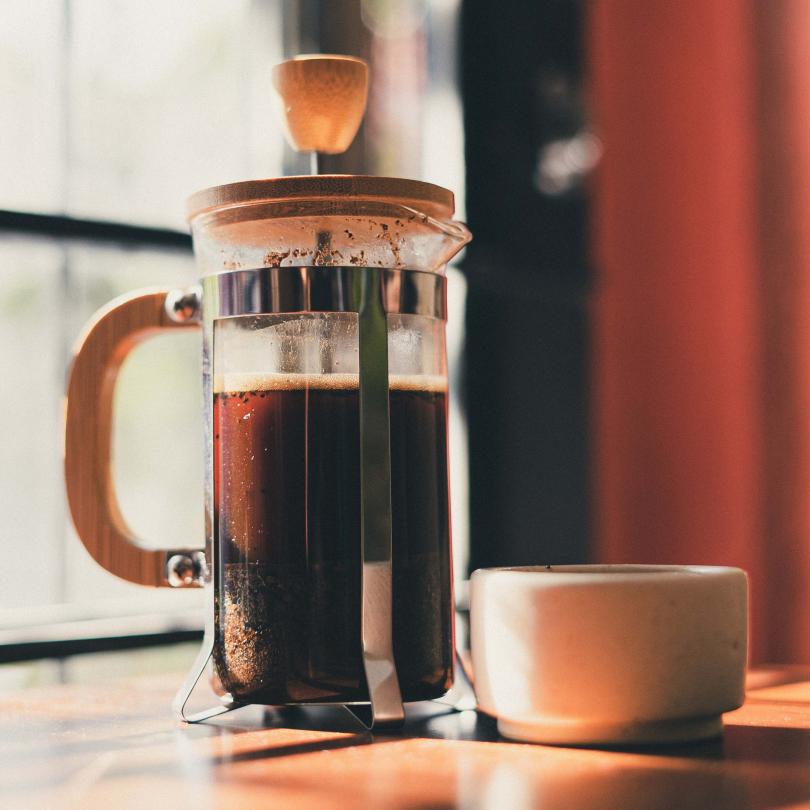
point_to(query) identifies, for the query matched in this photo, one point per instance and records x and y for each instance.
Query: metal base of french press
(193, 678)
(384, 711)
(460, 698)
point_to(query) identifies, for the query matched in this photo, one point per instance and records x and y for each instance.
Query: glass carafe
(327, 557)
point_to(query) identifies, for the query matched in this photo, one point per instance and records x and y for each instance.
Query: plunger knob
(323, 100)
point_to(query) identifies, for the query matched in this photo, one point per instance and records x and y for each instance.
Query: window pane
(31, 97)
(159, 103)
(31, 368)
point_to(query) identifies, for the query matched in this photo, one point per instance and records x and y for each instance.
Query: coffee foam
(258, 381)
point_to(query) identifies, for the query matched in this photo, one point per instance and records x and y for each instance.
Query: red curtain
(701, 313)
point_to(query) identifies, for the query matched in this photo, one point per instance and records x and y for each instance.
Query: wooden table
(117, 746)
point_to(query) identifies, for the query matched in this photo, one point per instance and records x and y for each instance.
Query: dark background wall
(526, 347)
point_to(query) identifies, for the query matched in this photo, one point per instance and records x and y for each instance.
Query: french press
(322, 306)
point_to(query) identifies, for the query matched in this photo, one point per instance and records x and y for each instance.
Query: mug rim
(592, 573)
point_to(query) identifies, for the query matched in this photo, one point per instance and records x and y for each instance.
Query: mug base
(631, 733)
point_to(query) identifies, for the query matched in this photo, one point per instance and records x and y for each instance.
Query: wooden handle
(323, 101)
(113, 332)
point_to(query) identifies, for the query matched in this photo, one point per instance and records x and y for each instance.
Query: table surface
(116, 745)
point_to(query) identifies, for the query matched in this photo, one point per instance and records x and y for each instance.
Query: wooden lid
(426, 198)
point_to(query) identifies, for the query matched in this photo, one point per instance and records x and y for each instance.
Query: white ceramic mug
(614, 654)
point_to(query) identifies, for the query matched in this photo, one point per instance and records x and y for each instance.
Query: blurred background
(630, 328)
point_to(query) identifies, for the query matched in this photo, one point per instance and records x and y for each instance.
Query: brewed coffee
(287, 515)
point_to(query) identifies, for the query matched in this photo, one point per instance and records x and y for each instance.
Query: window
(118, 111)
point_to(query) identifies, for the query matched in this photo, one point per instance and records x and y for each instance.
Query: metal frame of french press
(372, 293)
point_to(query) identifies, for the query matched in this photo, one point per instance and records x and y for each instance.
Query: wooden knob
(323, 100)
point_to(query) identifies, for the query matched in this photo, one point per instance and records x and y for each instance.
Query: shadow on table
(747, 769)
